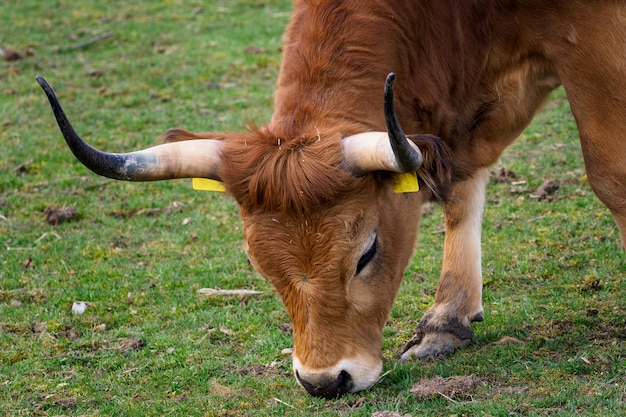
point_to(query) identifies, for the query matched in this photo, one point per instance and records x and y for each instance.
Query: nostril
(329, 390)
(344, 378)
(345, 383)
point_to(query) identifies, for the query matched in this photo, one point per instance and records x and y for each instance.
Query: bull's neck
(337, 55)
(334, 66)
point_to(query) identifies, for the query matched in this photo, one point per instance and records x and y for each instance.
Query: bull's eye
(367, 257)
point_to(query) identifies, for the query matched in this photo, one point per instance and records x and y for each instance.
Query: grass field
(554, 338)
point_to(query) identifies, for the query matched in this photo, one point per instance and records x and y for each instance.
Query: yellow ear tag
(406, 183)
(203, 184)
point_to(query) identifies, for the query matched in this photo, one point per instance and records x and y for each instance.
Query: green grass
(148, 344)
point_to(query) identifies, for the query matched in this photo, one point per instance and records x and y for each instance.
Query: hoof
(432, 346)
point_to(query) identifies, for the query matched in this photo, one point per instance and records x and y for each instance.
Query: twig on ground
(453, 401)
(84, 44)
(286, 404)
(42, 237)
(212, 292)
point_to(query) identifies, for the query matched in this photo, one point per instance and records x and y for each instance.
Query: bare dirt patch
(272, 369)
(593, 330)
(450, 388)
(286, 328)
(9, 54)
(463, 387)
(66, 403)
(219, 389)
(546, 190)
(130, 344)
(58, 215)
(503, 175)
(68, 333)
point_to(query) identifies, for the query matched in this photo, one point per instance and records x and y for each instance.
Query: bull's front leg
(446, 326)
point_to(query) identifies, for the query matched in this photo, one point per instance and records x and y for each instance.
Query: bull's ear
(435, 171)
(435, 153)
(179, 135)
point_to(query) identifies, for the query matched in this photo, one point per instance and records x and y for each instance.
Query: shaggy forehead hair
(281, 174)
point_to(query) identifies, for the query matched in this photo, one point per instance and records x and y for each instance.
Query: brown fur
(298, 175)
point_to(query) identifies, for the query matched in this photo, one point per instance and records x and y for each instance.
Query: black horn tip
(391, 78)
(393, 126)
(408, 158)
(99, 162)
(43, 83)
(66, 128)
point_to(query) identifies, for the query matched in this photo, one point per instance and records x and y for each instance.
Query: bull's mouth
(331, 390)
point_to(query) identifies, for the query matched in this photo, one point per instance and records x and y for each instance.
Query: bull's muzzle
(329, 390)
(348, 375)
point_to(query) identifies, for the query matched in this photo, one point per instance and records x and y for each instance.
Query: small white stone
(79, 307)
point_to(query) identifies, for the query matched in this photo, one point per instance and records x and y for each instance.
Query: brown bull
(315, 186)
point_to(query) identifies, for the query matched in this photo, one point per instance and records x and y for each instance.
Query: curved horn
(409, 157)
(382, 151)
(197, 158)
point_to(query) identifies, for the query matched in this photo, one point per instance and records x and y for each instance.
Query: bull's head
(321, 223)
